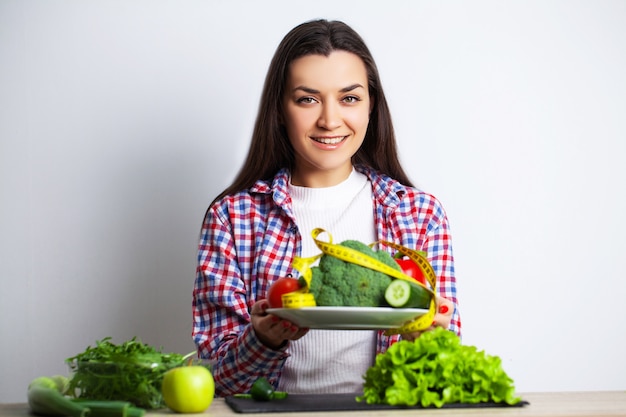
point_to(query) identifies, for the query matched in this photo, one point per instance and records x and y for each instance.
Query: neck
(321, 178)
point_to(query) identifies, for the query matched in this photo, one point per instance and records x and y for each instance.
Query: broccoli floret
(338, 283)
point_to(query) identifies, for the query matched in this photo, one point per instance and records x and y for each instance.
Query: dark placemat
(329, 402)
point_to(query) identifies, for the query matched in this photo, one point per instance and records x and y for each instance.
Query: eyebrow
(314, 91)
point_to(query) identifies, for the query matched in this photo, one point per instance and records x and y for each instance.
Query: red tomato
(281, 286)
(411, 269)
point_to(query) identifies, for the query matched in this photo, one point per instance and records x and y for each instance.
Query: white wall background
(121, 120)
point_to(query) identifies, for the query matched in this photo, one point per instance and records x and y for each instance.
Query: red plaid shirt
(250, 238)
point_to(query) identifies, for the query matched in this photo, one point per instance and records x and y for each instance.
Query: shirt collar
(387, 190)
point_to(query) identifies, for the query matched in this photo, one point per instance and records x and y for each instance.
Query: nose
(330, 116)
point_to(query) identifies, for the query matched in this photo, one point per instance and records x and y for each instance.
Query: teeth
(330, 141)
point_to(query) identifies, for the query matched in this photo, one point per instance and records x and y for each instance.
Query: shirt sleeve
(222, 329)
(438, 245)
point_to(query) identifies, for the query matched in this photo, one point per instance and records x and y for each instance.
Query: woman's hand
(443, 316)
(271, 330)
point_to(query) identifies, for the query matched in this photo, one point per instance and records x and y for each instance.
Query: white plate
(348, 318)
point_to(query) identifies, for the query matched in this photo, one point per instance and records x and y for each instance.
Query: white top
(332, 361)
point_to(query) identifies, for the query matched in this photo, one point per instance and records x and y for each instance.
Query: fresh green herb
(131, 371)
(434, 370)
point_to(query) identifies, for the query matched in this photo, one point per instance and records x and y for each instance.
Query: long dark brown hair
(271, 150)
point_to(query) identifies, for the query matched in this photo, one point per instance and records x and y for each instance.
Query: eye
(306, 100)
(351, 99)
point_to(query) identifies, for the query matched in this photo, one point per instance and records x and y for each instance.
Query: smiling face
(326, 111)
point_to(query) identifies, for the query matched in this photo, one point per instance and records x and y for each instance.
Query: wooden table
(559, 404)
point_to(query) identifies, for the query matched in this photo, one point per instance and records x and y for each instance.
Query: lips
(334, 140)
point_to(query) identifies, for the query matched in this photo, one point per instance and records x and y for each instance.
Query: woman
(323, 154)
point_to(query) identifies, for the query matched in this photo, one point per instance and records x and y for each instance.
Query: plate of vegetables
(349, 296)
(348, 318)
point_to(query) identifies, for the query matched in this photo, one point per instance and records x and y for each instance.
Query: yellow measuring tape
(298, 299)
(303, 265)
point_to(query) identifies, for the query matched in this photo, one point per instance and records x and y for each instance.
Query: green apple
(188, 389)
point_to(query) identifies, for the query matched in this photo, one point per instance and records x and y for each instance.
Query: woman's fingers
(445, 308)
(443, 316)
(271, 330)
(258, 308)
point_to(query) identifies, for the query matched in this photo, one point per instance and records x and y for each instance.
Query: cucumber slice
(405, 294)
